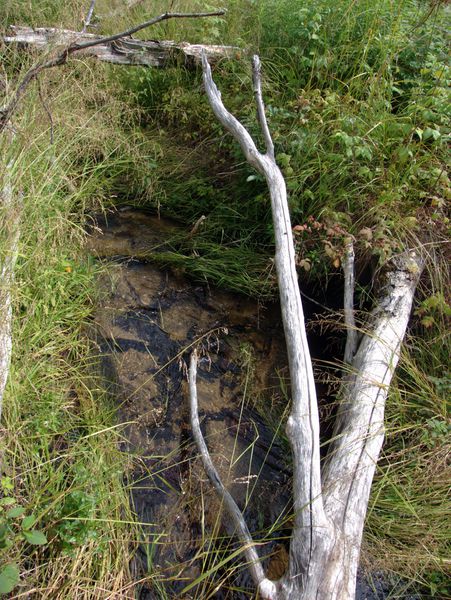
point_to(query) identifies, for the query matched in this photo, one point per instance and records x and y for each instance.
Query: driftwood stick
(348, 303)
(62, 57)
(253, 560)
(10, 222)
(76, 46)
(87, 21)
(256, 79)
(311, 525)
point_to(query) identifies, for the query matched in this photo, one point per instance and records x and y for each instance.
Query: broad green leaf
(15, 512)
(28, 522)
(35, 537)
(7, 501)
(9, 578)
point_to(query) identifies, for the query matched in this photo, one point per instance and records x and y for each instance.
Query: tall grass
(356, 95)
(60, 442)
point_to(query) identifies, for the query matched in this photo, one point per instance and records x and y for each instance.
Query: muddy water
(149, 321)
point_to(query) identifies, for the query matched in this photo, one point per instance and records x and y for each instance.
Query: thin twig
(62, 57)
(256, 78)
(89, 16)
(348, 302)
(234, 512)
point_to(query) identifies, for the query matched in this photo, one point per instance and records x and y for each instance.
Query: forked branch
(329, 513)
(303, 424)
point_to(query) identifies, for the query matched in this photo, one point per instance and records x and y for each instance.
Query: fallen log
(124, 51)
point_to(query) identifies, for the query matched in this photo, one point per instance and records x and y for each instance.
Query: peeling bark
(123, 51)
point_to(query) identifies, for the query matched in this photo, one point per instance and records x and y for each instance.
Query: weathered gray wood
(310, 524)
(234, 512)
(84, 43)
(359, 429)
(10, 228)
(124, 51)
(348, 302)
(329, 513)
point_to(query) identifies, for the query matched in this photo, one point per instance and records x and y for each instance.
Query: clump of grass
(60, 442)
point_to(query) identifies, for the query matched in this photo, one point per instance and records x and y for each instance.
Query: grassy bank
(356, 96)
(66, 529)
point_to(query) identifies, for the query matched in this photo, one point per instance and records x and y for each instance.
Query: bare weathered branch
(329, 515)
(311, 525)
(253, 560)
(10, 223)
(256, 78)
(87, 21)
(359, 429)
(127, 51)
(348, 302)
(77, 46)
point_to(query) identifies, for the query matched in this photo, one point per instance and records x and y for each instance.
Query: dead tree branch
(10, 224)
(303, 423)
(329, 513)
(244, 535)
(127, 51)
(359, 428)
(348, 303)
(83, 42)
(87, 21)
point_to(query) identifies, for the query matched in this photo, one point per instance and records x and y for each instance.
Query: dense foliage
(357, 100)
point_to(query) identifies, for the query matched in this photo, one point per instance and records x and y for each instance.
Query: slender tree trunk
(329, 504)
(9, 227)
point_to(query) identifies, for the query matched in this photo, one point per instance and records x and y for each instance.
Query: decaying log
(123, 51)
(329, 510)
(84, 44)
(359, 429)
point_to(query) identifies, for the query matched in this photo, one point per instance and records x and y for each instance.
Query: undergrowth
(356, 96)
(66, 527)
